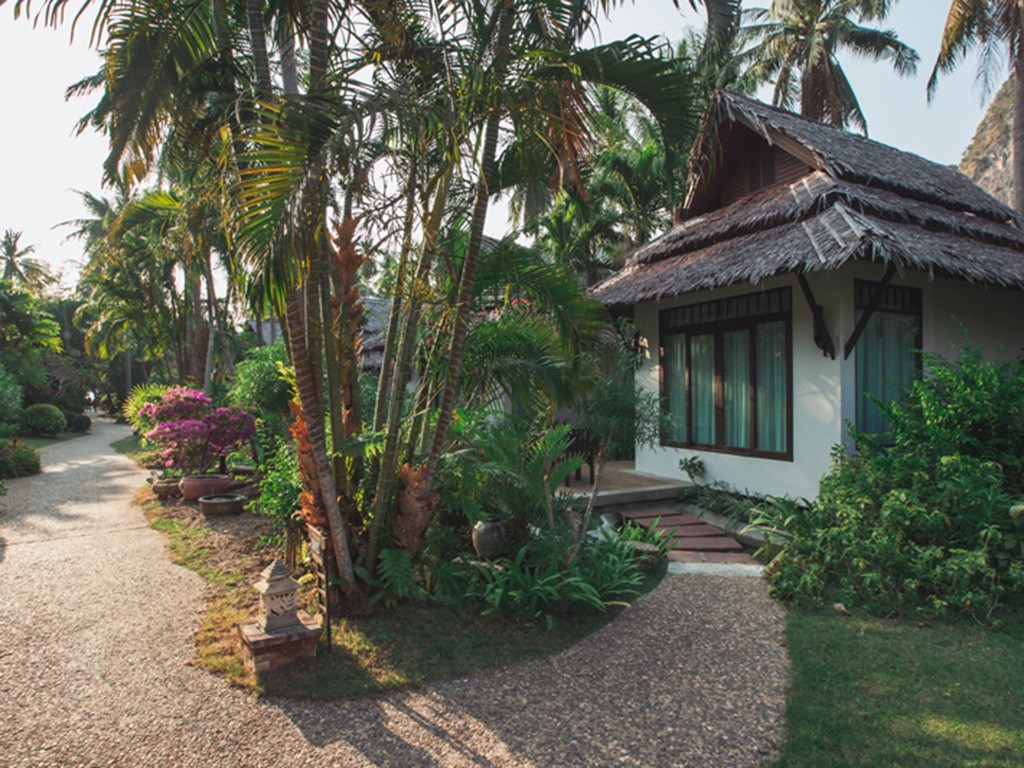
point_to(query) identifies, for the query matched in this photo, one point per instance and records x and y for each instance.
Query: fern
(396, 578)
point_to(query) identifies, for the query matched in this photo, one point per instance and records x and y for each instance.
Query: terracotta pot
(167, 487)
(194, 486)
(227, 504)
(489, 540)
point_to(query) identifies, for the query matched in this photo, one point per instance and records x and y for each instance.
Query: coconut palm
(18, 266)
(795, 44)
(997, 28)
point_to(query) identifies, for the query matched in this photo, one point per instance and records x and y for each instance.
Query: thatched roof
(861, 200)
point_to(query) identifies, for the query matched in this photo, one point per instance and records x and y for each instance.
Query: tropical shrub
(505, 468)
(142, 394)
(11, 398)
(535, 582)
(42, 420)
(18, 460)
(259, 383)
(280, 486)
(932, 522)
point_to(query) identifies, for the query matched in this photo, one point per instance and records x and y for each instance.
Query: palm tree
(796, 46)
(18, 266)
(997, 26)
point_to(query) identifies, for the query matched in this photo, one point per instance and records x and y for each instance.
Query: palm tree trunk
(391, 339)
(218, 324)
(192, 285)
(1017, 140)
(473, 247)
(299, 329)
(403, 366)
(309, 395)
(258, 41)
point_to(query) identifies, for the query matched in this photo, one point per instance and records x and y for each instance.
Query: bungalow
(804, 269)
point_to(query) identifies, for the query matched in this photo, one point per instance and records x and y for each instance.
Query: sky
(42, 163)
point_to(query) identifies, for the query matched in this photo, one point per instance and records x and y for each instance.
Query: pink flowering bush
(177, 404)
(193, 435)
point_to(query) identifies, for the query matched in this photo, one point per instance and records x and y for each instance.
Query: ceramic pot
(488, 540)
(167, 487)
(194, 486)
(226, 504)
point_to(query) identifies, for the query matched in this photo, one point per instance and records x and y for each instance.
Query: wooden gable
(746, 163)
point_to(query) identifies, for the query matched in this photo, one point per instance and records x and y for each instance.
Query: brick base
(264, 651)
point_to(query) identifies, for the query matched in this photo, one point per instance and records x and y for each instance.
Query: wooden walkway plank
(707, 543)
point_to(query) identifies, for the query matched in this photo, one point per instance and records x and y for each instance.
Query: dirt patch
(235, 542)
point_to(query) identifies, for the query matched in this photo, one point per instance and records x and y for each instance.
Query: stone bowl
(222, 504)
(194, 486)
(167, 487)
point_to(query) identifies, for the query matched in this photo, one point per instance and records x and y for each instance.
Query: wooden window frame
(873, 307)
(717, 329)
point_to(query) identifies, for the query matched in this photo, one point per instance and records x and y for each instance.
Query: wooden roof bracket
(822, 338)
(876, 299)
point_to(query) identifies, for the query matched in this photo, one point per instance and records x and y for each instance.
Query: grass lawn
(871, 692)
(129, 446)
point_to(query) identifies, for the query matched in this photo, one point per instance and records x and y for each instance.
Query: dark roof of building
(861, 200)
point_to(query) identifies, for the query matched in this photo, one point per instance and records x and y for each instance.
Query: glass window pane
(885, 365)
(675, 386)
(771, 386)
(702, 388)
(736, 388)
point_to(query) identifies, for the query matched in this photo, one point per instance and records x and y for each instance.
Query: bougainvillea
(177, 404)
(192, 435)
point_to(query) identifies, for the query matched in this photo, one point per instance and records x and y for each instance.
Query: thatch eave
(849, 157)
(826, 241)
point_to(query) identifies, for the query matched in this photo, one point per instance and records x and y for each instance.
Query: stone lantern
(282, 632)
(277, 591)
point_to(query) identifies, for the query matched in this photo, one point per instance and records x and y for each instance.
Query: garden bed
(375, 650)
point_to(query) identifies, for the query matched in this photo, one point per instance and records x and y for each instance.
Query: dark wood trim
(717, 330)
(790, 405)
(822, 338)
(748, 452)
(876, 299)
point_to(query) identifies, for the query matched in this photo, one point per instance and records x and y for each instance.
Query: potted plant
(194, 436)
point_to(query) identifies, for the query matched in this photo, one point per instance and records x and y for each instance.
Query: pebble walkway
(95, 636)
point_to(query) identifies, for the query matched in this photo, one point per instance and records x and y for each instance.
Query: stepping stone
(707, 543)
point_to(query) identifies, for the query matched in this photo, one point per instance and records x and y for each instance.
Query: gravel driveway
(95, 633)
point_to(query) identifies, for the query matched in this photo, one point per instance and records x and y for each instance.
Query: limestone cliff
(987, 158)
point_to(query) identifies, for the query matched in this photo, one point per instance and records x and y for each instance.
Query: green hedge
(43, 420)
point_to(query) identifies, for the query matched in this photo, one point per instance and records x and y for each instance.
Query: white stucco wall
(824, 389)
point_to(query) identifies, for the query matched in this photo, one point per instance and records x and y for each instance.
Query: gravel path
(95, 633)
